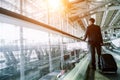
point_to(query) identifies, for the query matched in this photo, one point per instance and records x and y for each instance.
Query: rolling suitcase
(107, 63)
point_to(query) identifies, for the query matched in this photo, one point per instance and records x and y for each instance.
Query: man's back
(94, 33)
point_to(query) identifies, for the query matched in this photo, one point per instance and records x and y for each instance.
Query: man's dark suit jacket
(93, 33)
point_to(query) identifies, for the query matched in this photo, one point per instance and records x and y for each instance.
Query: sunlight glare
(71, 0)
(54, 4)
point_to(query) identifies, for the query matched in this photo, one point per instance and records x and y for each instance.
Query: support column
(62, 53)
(22, 58)
(50, 58)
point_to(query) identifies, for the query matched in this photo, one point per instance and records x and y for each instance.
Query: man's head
(91, 20)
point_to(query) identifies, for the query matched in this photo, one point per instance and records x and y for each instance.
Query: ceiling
(106, 12)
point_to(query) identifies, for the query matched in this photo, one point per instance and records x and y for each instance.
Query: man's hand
(101, 44)
(83, 39)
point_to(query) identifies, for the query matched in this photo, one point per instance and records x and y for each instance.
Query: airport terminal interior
(43, 39)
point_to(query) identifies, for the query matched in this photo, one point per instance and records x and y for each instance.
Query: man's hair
(92, 20)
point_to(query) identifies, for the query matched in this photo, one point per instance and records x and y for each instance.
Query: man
(93, 33)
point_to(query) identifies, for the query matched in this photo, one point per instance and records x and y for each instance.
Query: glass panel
(42, 51)
(36, 52)
(9, 52)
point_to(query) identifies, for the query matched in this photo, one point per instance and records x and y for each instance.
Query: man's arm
(85, 36)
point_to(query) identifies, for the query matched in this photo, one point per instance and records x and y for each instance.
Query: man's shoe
(99, 66)
(93, 67)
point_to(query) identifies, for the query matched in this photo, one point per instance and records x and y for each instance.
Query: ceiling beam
(104, 18)
(108, 8)
(115, 18)
(89, 10)
(100, 9)
(84, 21)
(81, 24)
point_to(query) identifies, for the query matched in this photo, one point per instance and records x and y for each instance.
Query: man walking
(93, 33)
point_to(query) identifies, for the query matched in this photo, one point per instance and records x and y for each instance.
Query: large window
(27, 51)
(41, 53)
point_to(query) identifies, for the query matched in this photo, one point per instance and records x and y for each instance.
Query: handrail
(24, 18)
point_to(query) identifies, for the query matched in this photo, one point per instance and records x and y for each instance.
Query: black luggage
(108, 63)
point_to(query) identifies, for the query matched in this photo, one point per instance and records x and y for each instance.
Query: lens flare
(54, 4)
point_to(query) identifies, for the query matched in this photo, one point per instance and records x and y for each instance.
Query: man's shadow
(90, 74)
